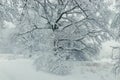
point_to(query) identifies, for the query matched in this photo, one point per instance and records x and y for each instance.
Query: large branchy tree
(72, 28)
(62, 30)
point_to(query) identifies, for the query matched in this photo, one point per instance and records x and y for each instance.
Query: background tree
(116, 31)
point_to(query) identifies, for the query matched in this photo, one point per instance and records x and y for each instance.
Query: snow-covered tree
(75, 28)
(7, 25)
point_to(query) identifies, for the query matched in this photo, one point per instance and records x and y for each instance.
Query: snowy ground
(23, 69)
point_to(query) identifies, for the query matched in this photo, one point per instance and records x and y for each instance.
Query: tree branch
(64, 13)
(81, 8)
(73, 24)
(32, 30)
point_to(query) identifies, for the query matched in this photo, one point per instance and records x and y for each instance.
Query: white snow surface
(23, 69)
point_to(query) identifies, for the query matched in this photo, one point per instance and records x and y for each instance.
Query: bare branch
(74, 23)
(81, 8)
(32, 30)
(65, 13)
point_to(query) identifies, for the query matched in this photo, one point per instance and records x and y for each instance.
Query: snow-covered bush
(53, 65)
